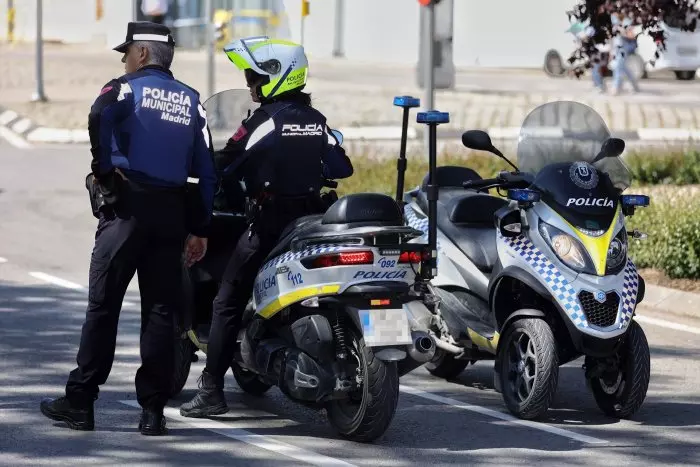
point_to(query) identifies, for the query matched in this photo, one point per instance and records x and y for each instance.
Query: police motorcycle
(540, 275)
(330, 321)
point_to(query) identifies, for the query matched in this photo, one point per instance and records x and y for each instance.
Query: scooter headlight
(617, 253)
(568, 249)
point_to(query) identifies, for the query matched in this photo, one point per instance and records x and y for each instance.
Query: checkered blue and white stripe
(561, 288)
(629, 293)
(293, 256)
(414, 221)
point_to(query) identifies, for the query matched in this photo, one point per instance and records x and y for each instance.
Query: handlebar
(503, 180)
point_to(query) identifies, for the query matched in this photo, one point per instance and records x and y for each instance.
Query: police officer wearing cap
(148, 133)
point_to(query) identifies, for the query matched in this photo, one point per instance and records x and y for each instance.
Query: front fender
(525, 312)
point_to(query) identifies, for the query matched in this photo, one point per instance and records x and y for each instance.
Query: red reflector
(344, 259)
(410, 257)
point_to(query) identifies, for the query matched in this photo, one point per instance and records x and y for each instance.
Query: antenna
(432, 118)
(406, 102)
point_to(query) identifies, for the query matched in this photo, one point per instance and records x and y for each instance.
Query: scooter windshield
(567, 131)
(226, 111)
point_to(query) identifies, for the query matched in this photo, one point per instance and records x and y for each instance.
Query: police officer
(148, 132)
(281, 152)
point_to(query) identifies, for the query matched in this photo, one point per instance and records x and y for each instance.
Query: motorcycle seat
(467, 219)
(349, 212)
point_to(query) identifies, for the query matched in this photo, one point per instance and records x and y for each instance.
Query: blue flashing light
(433, 116)
(635, 200)
(525, 196)
(406, 102)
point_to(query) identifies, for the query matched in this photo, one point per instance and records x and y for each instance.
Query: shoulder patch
(124, 89)
(106, 89)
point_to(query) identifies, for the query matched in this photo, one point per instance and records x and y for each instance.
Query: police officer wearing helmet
(281, 152)
(148, 132)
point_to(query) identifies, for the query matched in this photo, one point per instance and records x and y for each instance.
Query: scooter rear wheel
(622, 393)
(367, 413)
(248, 381)
(446, 366)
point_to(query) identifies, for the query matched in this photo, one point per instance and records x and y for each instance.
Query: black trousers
(239, 278)
(144, 233)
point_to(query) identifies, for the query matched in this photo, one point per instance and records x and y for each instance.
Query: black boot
(77, 417)
(209, 400)
(152, 423)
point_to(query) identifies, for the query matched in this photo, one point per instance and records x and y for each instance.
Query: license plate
(687, 51)
(388, 326)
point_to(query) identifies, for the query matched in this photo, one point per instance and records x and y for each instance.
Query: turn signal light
(344, 259)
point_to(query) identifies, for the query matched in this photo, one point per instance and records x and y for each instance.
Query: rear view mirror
(612, 147)
(477, 139)
(338, 135)
(481, 141)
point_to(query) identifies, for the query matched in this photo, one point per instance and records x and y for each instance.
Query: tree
(645, 13)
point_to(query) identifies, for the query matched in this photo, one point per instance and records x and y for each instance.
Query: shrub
(677, 168)
(672, 222)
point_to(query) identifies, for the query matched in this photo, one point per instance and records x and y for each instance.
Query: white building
(495, 33)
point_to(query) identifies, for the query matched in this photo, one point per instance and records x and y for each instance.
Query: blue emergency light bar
(524, 196)
(433, 116)
(406, 102)
(635, 200)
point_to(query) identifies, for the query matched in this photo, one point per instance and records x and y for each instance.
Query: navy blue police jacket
(154, 129)
(284, 148)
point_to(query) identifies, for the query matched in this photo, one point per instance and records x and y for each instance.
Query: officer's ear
(143, 55)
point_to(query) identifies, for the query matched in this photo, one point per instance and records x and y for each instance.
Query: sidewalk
(349, 94)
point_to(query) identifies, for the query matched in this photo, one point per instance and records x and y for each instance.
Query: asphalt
(47, 233)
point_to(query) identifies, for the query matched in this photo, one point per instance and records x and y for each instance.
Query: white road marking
(56, 281)
(3, 260)
(68, 284)
(502, 416)
(667, 324)
(260, 441)
(13, 138)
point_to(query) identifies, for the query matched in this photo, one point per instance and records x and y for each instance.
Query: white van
(682, 54)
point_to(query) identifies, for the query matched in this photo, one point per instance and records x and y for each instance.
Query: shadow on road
(40, 330)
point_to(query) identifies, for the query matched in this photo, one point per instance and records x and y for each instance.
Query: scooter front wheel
(620, 393)
(529, 368)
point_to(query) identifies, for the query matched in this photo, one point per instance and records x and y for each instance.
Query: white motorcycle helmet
(282, 63)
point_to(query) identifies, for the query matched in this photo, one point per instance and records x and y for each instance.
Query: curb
(27, 130)
(672, 301)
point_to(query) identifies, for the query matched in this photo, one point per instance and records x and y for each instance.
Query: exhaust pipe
(423, 348)
(453, 349)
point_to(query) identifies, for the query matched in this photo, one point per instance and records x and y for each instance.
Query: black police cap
(145, 31)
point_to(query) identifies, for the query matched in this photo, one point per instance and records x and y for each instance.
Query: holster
(102, 198)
